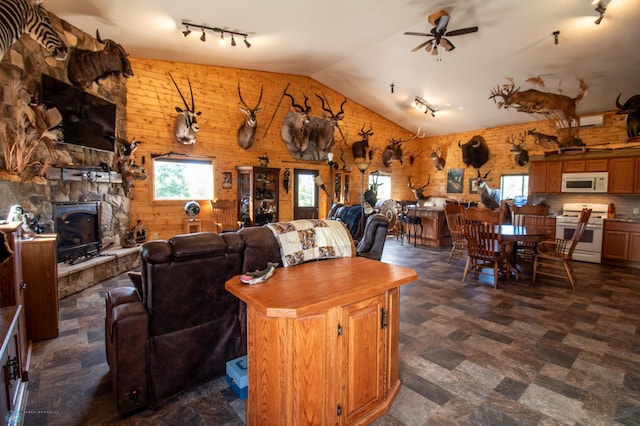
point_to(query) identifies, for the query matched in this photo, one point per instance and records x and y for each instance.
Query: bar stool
(412, 223)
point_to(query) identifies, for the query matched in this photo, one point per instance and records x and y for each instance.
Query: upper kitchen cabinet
(591, 165)
(624, 175)
(545, 177)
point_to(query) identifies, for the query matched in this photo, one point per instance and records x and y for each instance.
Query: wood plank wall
(151, 102)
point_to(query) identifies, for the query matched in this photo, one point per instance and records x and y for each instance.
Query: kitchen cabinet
(545, 177)
(13, 388)
(590, 165)
(12, 288)
(320, 352)
(622, 175)
(258, 194)
(40, 273)
(621, 243)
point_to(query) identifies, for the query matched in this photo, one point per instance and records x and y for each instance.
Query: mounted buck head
(247, 130)
(521, 154)
(489, 197)
(418, 191)
(438, 161)
(186, 125)
(393, 151)
(475, 152)
(333, 118)
(360, 147)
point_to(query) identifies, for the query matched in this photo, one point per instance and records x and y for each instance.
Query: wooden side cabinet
(40, 273)
(13, 388)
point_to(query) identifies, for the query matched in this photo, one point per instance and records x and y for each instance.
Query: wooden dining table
(514, 234)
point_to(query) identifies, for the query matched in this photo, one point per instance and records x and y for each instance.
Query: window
(182, 179)
(384, 185)
(513, 186)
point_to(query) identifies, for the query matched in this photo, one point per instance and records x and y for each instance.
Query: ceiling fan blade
(421, 45)
(447, 45)
(462, 31)
(417, 34)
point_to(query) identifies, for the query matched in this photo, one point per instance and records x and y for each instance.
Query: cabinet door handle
(14, 368)
(23, 286)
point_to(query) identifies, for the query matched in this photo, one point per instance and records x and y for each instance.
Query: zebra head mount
(20, 16)
(186, 125)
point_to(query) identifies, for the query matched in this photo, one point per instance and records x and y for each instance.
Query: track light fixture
(422, 105)
(600, 7)
(222, 32)
(555, 35)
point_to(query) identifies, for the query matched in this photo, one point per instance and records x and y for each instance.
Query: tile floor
(472, 355)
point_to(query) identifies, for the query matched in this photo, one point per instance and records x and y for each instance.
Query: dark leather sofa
(178, 325)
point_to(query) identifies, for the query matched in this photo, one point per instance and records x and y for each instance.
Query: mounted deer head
(418, 191)
(186, 125)
(393, 151)
(438, 161)
(247, 130)
(521, 154)
(359, 148)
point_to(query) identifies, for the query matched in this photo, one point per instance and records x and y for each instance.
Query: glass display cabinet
(258, 195)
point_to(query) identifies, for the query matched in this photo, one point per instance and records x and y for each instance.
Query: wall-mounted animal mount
(488, 196)
(129, 169)
(393, 151)
(632, 109)
(555, 106)
(520, 148)
(186, 125)
(23, 16)
(247, 130)
(307, 137)
(86, 66)
(418, 191)
(438, 161)
(543, 139)
(360, 148)
(475, 152)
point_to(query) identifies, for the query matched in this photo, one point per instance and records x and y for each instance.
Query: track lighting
(422, 105)
(600, 7)
(204, 28)
(555, 35)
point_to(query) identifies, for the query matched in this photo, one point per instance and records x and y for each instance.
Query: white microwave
(585, 182)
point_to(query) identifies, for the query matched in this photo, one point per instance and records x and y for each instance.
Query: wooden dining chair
(553, 256)
(529, 216)
(225, 216)
(483, 245)
(454, 214)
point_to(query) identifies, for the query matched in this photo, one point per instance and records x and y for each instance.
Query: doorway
(305, 194)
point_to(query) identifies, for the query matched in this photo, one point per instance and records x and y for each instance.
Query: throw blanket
(312, 239)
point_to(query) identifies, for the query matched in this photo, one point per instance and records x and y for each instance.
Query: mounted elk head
(359, 148)
(475, 152)
(86, 66)
(519, 149)
(489, 197)
(535, 101)
(247, 130)
(632, 109)
(393, 151)
(186, 125)
(436, 156)
(418, 191)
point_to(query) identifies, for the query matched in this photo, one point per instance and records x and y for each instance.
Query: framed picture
(455, 181)
(226, 180)
(473, 186)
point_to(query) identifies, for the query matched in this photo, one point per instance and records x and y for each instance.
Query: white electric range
(589, 248)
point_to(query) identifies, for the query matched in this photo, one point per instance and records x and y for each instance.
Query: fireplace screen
(78, 229)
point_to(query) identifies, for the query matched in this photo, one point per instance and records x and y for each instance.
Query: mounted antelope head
(489, 197)
(323, 129)
(521, 154)
(359, 148)
(247, 130)
(436, 156)
(186, 125)
(393, 151)
(418, 191)
(300, 123)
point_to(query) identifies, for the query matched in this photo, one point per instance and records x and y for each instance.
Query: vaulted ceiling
(358, 48)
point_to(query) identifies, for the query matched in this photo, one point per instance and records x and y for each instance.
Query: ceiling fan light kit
(222, 32)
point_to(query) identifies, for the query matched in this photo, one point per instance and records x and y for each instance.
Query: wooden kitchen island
(322, 342)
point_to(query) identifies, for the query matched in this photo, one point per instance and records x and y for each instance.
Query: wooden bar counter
(322, 342)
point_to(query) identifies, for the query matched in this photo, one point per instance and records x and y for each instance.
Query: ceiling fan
(439, 20)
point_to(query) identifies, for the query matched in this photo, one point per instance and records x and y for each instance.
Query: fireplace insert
(78, 229)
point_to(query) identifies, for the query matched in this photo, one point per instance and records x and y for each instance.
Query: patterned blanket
(312, 239)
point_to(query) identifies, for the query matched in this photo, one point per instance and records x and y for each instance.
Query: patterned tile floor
(520, 355)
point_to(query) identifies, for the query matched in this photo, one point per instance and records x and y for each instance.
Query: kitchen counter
(625, 218)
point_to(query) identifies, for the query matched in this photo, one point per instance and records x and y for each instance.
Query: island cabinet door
(364, 331)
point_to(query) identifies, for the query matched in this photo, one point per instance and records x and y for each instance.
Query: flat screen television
(87, 120)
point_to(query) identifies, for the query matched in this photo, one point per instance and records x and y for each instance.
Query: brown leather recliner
(179, 326)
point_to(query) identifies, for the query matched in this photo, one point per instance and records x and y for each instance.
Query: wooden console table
(322, 342)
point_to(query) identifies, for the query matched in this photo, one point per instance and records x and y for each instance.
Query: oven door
(589, 247)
